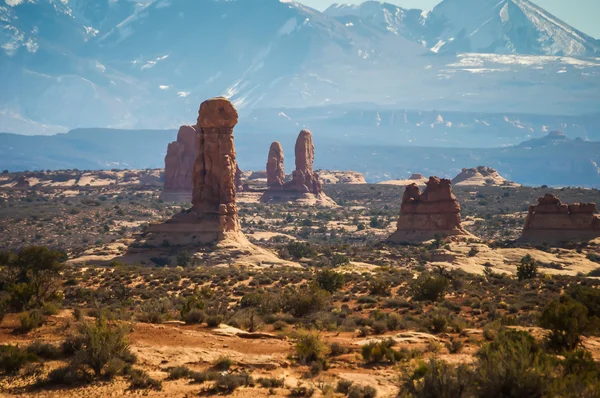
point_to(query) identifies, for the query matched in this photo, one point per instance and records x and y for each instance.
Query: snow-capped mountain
(504, 27)
(481, 26)
(148, 64)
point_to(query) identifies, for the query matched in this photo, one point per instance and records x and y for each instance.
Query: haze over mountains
(470, 73)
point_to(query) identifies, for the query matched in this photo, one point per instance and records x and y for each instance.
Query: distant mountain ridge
(124, 65)
(481, 26)
(553, 159)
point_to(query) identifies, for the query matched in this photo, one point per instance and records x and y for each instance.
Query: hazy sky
(582, 14)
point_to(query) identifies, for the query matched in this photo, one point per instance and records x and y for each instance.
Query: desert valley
(257, 198)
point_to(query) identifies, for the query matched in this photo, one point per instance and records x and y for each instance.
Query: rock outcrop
(275, 168)
(418, 179)
(481, 176)
(425, 215)
(553, 222)
(305, 187)
(179, 166)
(340, 177)
(213, 216)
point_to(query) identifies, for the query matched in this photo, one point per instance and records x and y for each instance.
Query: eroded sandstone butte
(275, 168)
(423, 216)
(179, 166)
(481, 176)
(213, 216)
(551, 221)
(305, 187)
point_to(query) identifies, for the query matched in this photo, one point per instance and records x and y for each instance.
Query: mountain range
(147, 65)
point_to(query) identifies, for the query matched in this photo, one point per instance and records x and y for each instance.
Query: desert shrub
(140, 380)
(567, 321)
(214, 321)
(99, 342)
(377, 352)
(30, 320)
(513, 365)
(455, 346)
(227, 383)
(194, 317)
(379, 287)
(271, 382)
(202, 377)
(298, 250)
(68, 376)
(304, 300)
(343, 386)
(336, 349)
(310, 348)
(527, 268)
(183, 258)
(429, 287)
(473, 252)
(437, 322)
(223, 363)
(32, 277)
(13, 358)
(595, 272)
(340, 259)
(356, 391)
(587, 296)
(439, 379)
(179, 372)
(330, 281)
(44, 350)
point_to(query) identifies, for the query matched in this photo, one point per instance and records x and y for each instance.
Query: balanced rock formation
(179, 166)
(213, 216)
(425, 215)
(305, 187)
(481, 176)
(275, 169)
(552, 222)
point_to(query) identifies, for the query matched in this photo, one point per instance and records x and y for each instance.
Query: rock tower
(436, 211)
(305, 187)
(550, 221)
(179, 166)
(213, 216)
(275, 168)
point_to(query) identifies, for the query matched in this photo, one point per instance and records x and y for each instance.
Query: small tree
(567, 320)
(183, 258)
(429, 287)
(527, 269)
(32, 277)
(330, 280)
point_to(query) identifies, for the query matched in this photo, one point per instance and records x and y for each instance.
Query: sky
(582, 14)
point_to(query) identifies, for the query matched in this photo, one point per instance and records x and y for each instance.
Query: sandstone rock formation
(213, 216)
(179, 166)
(239, 186)
(481, 176)
(418, 179)
(275, 169)
(340, 177)
(436, 211)
(305, 187)
(552, 222)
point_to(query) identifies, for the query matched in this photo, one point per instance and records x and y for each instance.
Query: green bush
(378, 352)
(440, 380)
(429, 287)
(179, 372)
(567, 321)
(44, 350)
(32, 277)
(99, 342)
(330, 281)
(31, 320)
(310, 348)
(527, 268)
(13, 358)
(227, 383)
(140, 380)
(304, 300)
(223, 363)
(194, 317)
